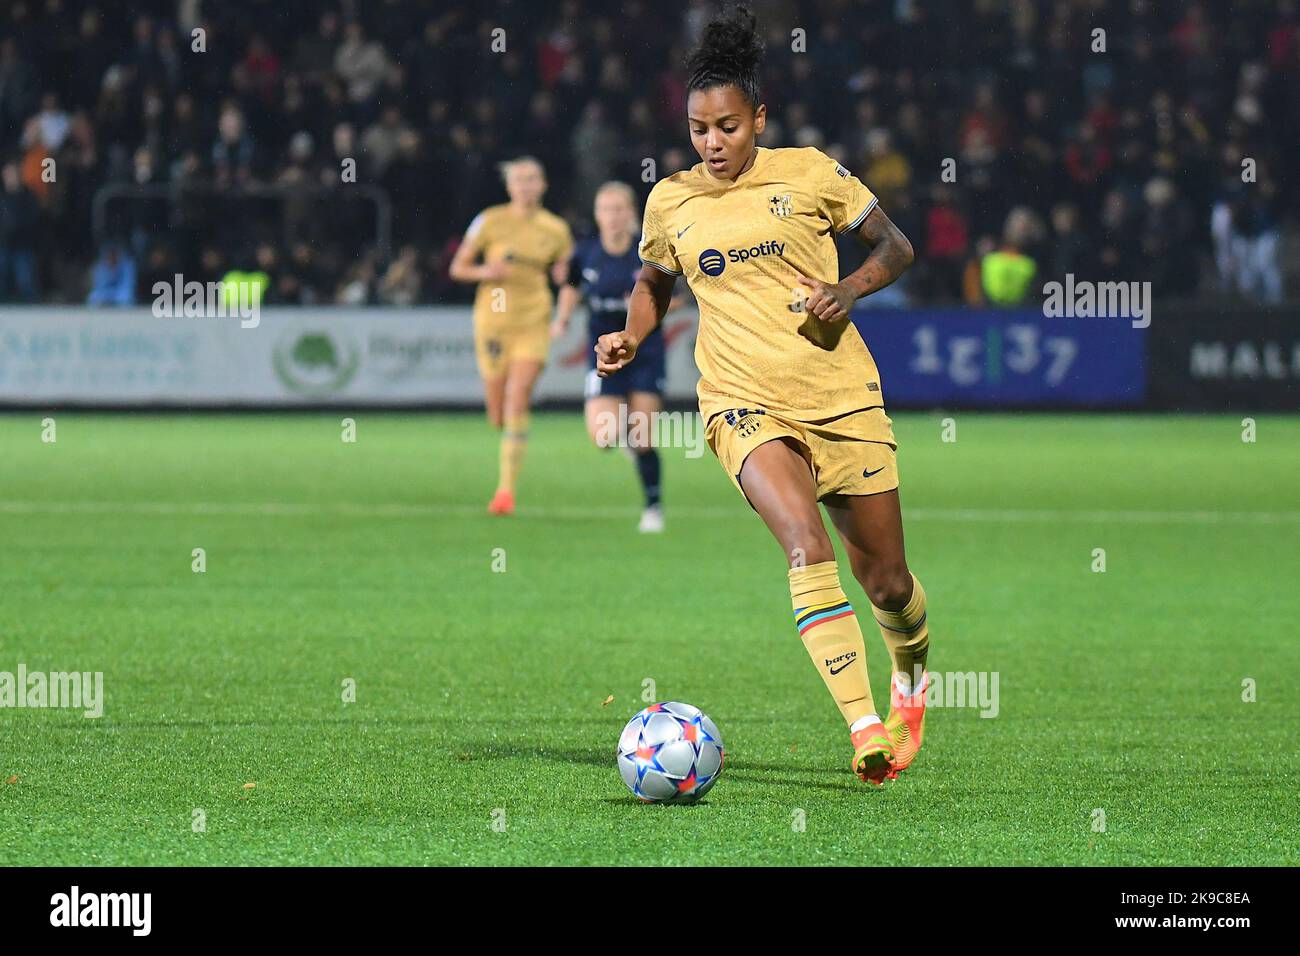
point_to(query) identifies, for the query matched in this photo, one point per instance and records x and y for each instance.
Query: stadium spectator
(1088, 160)
(248, 286)
(212, 264)
(35, 171)
(170, 70)
(186, 134)
(360, 62)
(112, 280)
(313, 54)
(985, 123)
(1007, 272)
(159, 266)
(381, 141)
(945, 241)
(232, 154)
(1071, 250)
(19, 90)
(410, 177)
(259, 72)
(52, 123)
(1166, 230)
(358, 286)
(594, 149)
(18, 222)
(1248, 244)
(1119, 250)
(401, 283)
(301, 279)
(887, 169)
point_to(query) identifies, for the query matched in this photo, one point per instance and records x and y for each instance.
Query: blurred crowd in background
(1161, 158)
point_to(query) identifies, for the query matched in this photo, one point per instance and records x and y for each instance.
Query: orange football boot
(906, 723)
(873, 754)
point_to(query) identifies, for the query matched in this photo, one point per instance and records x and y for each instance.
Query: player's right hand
(613, 351)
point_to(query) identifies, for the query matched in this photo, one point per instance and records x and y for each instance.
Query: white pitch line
(288, 509)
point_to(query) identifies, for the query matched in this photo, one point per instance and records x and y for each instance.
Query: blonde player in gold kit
(790, 395)
(522, 246)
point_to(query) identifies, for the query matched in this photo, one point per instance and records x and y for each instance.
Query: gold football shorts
(852, 454)
(496, 346)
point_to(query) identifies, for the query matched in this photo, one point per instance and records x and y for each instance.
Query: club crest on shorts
(780, 206)
(746, 421)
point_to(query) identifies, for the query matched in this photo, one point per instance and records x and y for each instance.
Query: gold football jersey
(528, 245)
(742, 246)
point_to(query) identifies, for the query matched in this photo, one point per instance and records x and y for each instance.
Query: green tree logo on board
(315, 362)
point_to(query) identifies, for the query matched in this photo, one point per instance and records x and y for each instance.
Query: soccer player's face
(613, 213)
(525, 184)
(723, 126)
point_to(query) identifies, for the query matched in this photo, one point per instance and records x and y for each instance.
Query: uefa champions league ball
(670, 753)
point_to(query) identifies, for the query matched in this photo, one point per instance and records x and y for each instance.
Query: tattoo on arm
(890, 255)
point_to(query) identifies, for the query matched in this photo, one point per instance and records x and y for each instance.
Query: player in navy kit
(604, 269)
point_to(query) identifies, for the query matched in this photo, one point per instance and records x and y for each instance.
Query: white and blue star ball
(670, 753)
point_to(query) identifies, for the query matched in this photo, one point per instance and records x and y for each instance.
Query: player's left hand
(830, 302)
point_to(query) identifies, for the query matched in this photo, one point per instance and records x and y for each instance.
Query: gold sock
(907, 635)
(514, 442)
(830, 632)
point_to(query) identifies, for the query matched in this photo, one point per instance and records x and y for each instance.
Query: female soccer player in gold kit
(790, 395)
(522, 246)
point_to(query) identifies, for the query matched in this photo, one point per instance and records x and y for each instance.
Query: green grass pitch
(478, 734)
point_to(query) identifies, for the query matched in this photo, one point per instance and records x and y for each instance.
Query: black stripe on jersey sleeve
(651, 262)
(875, 201)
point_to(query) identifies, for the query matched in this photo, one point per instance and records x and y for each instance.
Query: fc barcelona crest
(780, 206)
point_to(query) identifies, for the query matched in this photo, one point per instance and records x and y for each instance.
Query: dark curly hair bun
(728, 55)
